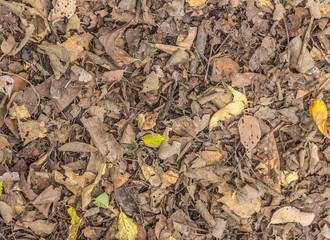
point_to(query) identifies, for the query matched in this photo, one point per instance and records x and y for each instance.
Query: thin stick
(303, 47)
(35, 91)
(208, 62)
(287, 39)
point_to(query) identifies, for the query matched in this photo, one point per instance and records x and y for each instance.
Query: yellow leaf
(151, 141)
(233, 108)
(319, 114)
(76, 44)
(18, 112)
(127, 229)
(195, 3)
(266, 3)
(75, 222)
(171, 238)
(287, 178)
(1, 185)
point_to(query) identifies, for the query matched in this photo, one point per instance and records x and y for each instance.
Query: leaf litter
(164, 119)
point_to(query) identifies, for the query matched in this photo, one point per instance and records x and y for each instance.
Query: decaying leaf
(167, 150)
(76, 45)
(288, 177)
(249, 131)
(62, 8)
(174, 8)
(75, 222)
(244, 210)
(77, 147)
(6, 84)
(195, 3)
(41, 227)
(59, 57)
(292, 214)
(87, 191)
(234, 108)
(6, 212)
(109, 41)
(319, 114)
(151, 83)
(127, 229)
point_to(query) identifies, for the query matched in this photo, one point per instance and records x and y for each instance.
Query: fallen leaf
(75, 222)
(307, 60)
(8, 45)
(195, 3)
(245, 79)
(102, 200)
(59, 57)
(151, 83)
(219, 228)
(74, 182)
(234, 108)
(169, 177)
(49, 195)
(127, 229)
(292, 214)
(174, 8)
(40, 227)
(152, 141)
(223, 68)
(1, 186)
(62, 8)
(147, 120)
(6, 212)
(167, 150)
(109, 41)
(75, 45)
(6, 84)
(319, 113)
(147, 171)
(104, 141)
(119, 177)
(244, 210)
(113, 76)
(288, 177)
(87, 191)
(187, 41)
(83, 75)
(249, 130)
(77, 147)
(266, 3)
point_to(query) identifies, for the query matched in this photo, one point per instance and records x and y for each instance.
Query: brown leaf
(6, 212)
(250, 132)
(8, 45)
(62, 8)
(223, 68)
(76, 45)
(109, 41)
(49, 195)
(42, 228)
(245, 79)
(292, 214)
(113, 76)
(105, 142)
(77, 147)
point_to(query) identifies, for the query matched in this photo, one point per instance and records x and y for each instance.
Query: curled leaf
(292, 214)
(319, 114)
(75, 222)
(233, 108)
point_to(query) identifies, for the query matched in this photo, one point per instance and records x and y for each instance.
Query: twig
(303, 47)
(288, 40)
(138, 10)
(210, 56)
(35, 91)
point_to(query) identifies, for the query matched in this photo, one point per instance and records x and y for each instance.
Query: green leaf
(151, 141)
(133, 145)
(102, 201)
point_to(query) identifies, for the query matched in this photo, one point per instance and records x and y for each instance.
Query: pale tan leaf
(292, 214)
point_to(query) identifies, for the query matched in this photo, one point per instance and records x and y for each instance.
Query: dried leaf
(127, 229)
(40, 227)
(319, 113)
(292, 214)
(62, 8)
(76, 45)
(6, 84)
(152, 141)
(249, 130)
(75, 222)
(167, 150)
(169, 177)
(83, 75)
(195, 3)
(8, 45)
(147, 171)
(288, 177)
(109, 41)
(77, 147)
(59, 57)
(187, 41)
(234, 108)
(87, 191)
(174, 8)
(6, 212)
(151, 83)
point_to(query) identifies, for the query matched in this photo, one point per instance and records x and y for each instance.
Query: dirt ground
(168, 120)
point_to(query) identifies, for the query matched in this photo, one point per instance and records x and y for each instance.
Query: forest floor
(136, 119)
